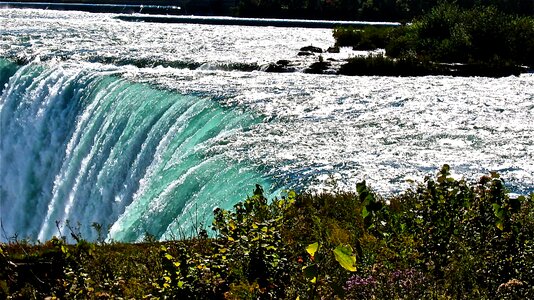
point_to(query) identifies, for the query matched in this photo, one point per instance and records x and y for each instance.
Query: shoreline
(95, 8)
(301, 23)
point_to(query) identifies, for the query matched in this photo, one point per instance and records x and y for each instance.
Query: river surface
(146, 128)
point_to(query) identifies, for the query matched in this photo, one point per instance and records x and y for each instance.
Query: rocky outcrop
(281, 66)
(334, 49)
(311, 49)
(305, 53)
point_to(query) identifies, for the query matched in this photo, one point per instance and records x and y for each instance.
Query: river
(146, 128)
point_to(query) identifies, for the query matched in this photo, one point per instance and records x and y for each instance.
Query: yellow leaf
(345, 258)
(312, 248)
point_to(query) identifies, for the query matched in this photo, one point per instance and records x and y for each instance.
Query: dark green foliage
(483, 40)
(445, 238)
(367, 38)
(380, 65)
(480, 35)
(252, 236)
(372, 10)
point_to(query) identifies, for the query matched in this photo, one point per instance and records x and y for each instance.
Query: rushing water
(147, 127)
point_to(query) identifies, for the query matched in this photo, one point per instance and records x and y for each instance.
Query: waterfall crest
(84, 145)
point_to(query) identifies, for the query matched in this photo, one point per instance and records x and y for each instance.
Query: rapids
(146, 128)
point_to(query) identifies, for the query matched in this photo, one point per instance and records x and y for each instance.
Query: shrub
(367, 38)
(444, 238)
(380, 65)
(481, 35)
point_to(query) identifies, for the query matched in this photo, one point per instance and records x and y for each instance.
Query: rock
(312, 49)
(304, 53)
(283, 62)
(279, 67)
(333, 49)
(317, 67)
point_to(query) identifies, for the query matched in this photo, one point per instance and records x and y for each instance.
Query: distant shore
(97, 8)
(174, 14)
(252, 21)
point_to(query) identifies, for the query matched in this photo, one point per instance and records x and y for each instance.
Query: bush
(380, 65)
(480, 35)
(444, 238)
(367, 38)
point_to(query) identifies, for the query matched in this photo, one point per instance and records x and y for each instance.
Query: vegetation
(484, 40)
(479, 35)
(367, 38)
(444, 238)
(372, 10)
(380, 65)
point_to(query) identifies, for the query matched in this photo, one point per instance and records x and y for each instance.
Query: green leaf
(497, 210)
(291, 196)
(370, 198)
(365, 213)
(345, 257)
(312, 248)
(500, 225)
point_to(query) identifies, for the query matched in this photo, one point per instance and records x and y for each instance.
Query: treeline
(371, 10)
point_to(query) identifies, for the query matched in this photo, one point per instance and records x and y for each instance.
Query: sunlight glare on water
(175, 117)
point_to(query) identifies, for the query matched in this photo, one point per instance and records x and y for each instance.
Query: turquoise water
(87, 146)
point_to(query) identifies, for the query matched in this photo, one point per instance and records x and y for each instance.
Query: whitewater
(146, 128)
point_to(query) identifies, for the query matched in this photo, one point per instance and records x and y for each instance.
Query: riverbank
(212, 20)
(121, 8)
(444, 238)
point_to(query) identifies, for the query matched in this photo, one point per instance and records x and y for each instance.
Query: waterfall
(81, 144)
